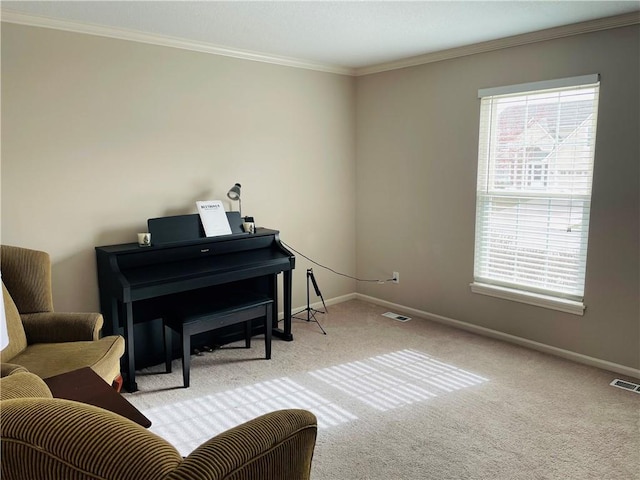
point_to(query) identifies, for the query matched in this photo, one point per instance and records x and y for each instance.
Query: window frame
(483, 284)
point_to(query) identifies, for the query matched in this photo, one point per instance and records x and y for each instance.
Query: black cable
(331, 269)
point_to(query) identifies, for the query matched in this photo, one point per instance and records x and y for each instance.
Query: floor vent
(395, 316)
(633, 387)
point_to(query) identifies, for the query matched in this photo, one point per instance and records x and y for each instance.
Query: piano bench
(205, 318)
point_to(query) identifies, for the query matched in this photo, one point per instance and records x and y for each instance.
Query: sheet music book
(213, 218)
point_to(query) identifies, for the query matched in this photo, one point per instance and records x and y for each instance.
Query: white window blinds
(535, 168)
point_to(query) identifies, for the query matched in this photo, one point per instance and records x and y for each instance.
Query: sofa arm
(54, 327)
(23, 384)
(278, 445)
(75, 440)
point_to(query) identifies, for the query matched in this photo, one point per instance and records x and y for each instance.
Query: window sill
(544, 301)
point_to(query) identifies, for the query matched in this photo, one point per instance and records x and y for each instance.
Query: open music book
(213, 217)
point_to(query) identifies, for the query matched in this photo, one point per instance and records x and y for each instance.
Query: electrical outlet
(396, 277)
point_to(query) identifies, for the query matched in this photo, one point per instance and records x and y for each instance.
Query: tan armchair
(49, 438)
(43, 341)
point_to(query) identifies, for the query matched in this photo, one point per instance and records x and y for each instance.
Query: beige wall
(417, 133)
(98, 135)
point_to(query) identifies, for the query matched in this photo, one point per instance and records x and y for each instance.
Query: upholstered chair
(50, 438)
(43, 341)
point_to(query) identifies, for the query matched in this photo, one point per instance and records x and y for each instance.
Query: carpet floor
(408, 400)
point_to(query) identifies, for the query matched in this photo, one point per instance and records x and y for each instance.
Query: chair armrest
(54, 327)
(7, 369)
(76, 440)
(22, 384)
(276, 445)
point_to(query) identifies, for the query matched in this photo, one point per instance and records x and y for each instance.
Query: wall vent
(633, 387)
(395, 316)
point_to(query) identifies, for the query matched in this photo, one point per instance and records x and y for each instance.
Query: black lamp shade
(234, 192)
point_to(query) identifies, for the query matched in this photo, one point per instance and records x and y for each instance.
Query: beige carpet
(413, 400)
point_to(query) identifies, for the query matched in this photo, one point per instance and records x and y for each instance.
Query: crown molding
(9, 16)
(606, 23)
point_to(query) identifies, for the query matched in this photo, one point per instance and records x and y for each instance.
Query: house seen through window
(535, 169)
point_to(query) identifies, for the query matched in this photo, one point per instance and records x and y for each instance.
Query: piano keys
(137, 284)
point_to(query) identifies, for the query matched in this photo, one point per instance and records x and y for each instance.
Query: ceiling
(346, 35)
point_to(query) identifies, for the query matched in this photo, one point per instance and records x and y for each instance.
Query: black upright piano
(138, 283)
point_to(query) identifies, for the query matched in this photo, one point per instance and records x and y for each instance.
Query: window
(535, 167)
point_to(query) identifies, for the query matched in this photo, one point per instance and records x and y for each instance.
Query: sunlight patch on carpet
(397, 379)
(189, 423)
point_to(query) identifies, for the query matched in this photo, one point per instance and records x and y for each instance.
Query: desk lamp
(234, 194)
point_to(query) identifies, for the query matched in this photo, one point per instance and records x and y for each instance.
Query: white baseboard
(318, 305)
(487, 332)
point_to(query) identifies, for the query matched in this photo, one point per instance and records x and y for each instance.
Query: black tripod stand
(311, 312)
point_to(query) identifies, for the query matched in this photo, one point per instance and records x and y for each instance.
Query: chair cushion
(17, 337)
(49, 359)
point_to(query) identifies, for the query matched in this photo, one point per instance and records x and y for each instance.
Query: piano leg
(284, 334)
(109, 309)
(268, 321)
(130, 364)
(186, 357)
